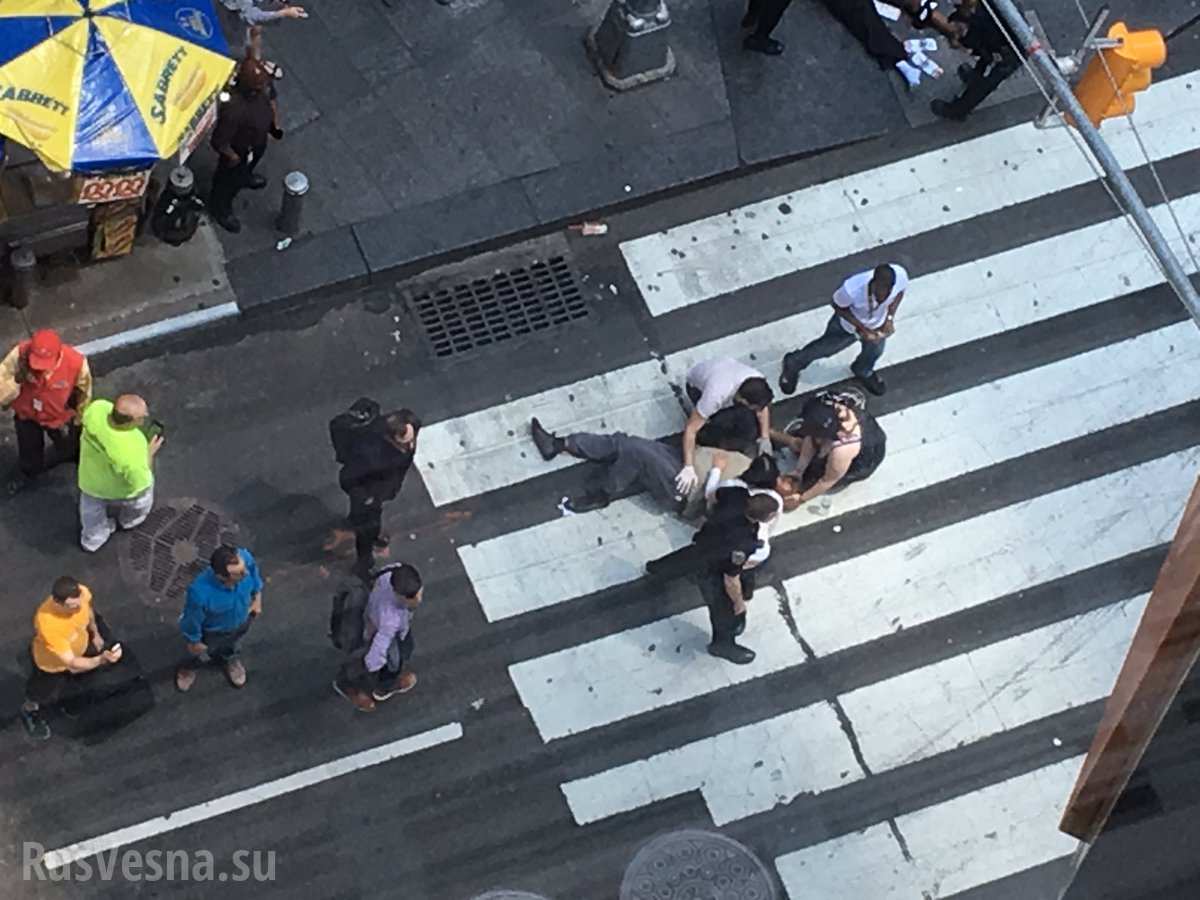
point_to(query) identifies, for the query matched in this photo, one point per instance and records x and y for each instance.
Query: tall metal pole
(1120, 182)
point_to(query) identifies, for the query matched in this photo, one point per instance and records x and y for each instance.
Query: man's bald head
(129, 409)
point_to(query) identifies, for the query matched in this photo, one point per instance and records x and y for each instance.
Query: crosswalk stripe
(771, 238)
(953, 846)
(469, 455)
(917, 580)
(575, 556)
(1010, 549)
(916, 715)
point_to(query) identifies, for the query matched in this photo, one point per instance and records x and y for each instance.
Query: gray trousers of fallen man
(632, 464)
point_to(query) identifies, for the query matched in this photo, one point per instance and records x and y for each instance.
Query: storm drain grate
(167, 551)
(470, 315)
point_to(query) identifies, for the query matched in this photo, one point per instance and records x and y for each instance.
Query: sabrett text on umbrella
(158, 109)
(25, 95)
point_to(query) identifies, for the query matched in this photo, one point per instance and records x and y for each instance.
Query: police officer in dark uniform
(992, 46)
(722, 558)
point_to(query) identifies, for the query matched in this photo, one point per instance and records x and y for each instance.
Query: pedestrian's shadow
(48, 512)
(289, 528)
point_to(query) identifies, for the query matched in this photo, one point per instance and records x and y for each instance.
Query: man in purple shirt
(378, 672)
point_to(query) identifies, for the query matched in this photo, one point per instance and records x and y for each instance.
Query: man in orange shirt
(67, 645)
(47, 384)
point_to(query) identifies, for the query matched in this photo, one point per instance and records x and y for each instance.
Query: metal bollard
(630, 45)
(24, 267)
(181, 181)
(295, 186)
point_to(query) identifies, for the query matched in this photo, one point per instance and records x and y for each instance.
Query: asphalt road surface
(933, 651)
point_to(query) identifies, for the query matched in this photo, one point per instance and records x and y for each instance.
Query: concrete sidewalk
(430, 132)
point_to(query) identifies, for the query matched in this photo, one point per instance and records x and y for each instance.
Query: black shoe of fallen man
(945, 110)
(591, 500)
(735, 653)
(769, 46)
(230, 223)
(256, 182)
(874, 383)
(547, 444)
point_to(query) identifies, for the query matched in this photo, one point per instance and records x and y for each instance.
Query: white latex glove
(686, 480)
(764, 446)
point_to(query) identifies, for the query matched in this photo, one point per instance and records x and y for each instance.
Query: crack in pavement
(785, 611)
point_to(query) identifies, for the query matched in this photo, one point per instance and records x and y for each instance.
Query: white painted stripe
(1008, 550)
(573, 556)
(159, 329)
(756, 243)
(220, 806)
(957, 845)
(913, 716)
(482, 451)
(489, 449)
(873, 595)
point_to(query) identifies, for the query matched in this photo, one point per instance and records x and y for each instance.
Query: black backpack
(346, 617)
(175, 219)
(345, 429)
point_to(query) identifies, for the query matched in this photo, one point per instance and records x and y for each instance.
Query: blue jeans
(835, 340)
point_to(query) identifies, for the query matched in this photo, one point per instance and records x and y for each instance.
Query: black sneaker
(256, 182)
(590, 501)
(944, 110)
(790, 376)
(35, 725)
(230, 223)
(769, 46)
(874, 383)
(383, 541)
(547, 444)
(735, 653)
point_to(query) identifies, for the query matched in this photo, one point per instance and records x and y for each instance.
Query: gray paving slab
(822, 92)
(442, 227)
(310, 264)
(395, 108)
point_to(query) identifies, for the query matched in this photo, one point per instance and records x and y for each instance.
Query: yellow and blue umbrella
(90, 85)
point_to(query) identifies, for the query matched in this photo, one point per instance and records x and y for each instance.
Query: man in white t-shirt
(732, 411)
(864, 309)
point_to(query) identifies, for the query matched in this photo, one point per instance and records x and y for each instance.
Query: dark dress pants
(31, 445)
(766, 14)
(230, 178)
(986, 77)
(726, 626)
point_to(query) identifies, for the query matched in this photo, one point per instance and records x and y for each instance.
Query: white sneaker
(910, 72)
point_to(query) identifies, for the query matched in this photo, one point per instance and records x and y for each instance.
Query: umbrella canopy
(104, 84)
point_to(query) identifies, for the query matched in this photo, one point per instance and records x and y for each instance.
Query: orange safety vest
(45, 396)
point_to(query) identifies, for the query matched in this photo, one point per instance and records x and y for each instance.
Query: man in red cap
(47, 384)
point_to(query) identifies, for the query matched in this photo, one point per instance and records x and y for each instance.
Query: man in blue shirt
(221, 603)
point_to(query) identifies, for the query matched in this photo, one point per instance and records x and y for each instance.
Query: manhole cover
(508, 895)
(468, 315)
(696, 865)
(172, 547)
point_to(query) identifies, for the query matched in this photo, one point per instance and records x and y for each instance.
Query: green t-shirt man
(114, 461)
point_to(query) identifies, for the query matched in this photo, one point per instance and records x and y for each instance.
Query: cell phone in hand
(154, 428)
